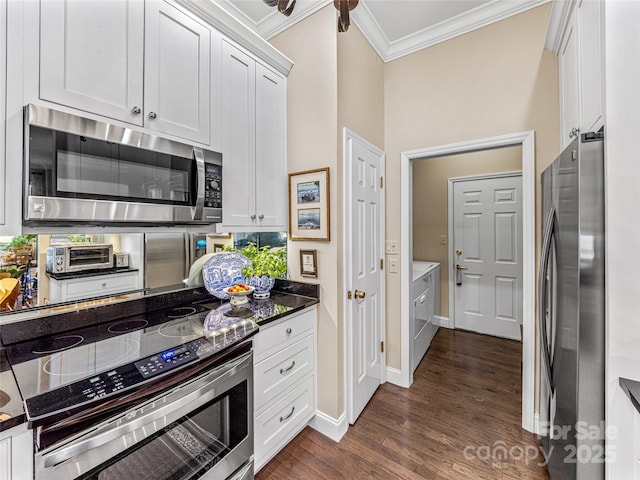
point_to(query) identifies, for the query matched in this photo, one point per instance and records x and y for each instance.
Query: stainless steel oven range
(168, 395)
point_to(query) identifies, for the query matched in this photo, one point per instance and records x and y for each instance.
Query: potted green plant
(266, 264)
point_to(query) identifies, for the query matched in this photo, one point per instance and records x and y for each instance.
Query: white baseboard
(329, 426)
(442, 321)
(536, 424)
(395, 376)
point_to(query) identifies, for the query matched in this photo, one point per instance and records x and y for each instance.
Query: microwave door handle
(198, 154)
(187, 398)
(542, 287)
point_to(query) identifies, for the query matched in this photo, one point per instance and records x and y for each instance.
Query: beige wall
(492, 81)
(336, 81)
(430, 188)
(312, 103)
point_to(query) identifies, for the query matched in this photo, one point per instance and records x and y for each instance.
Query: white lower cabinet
(88, 287)
(426, 296)
(284, 382)
(16, 453)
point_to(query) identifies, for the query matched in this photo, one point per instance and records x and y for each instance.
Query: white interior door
(364, 227)
(487, 265)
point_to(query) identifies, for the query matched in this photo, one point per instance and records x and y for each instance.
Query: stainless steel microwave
(82, 171)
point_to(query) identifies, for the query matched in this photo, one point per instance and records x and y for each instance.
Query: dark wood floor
(457, 420)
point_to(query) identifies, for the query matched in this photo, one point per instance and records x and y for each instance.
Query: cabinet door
(91, 56)
(16, 453)
(569, 85)
(271, 163)
(238, 125)
(591, 65)
(177, 73)
(3, 108)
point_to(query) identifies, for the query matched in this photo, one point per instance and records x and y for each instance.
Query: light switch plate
(443, 239)
(392, 247)
(393, 265)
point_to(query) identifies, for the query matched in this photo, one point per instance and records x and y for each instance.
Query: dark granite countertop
(11, 409)
(90, 273)
(295, 296)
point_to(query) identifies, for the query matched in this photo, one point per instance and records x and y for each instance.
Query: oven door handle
(198, 392)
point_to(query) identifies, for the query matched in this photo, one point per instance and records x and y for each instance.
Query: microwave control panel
(213, 186)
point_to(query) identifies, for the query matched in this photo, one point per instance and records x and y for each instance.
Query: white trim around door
(526, 141)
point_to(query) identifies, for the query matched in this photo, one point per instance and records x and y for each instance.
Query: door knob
(458, 252)
(136, 110)
(152, 115)
(461, 267)
(359, 294)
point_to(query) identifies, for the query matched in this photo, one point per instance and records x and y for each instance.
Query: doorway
(485, 255)
(526, 141)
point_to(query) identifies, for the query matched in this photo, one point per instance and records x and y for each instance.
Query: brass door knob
(359, 294)
(461, 267)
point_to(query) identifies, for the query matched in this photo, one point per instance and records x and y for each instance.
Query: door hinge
(350, 295)
(382, 264)
(382, 347)
(381, 182)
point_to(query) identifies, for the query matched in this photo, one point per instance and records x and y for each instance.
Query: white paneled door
(364, 225)
(487, 262)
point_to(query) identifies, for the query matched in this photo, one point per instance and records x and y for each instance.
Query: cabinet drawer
(280, 422)
(274, 337)
(102, 285)
(279, 372)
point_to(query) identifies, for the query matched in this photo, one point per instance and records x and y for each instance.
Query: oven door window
(73, 166)
(188, 447)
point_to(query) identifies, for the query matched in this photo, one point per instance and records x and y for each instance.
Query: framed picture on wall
(309, 205)
(309, 263)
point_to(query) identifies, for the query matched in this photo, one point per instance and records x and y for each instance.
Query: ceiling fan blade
(271, 3)
(283, 9)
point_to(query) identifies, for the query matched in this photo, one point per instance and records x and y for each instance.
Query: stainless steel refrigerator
(168, 257)
(572, 311)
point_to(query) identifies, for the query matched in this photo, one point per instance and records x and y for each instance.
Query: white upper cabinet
(575, 35)
(144, 63)
(3, 109)
(271, 167)
(252, 124)
(177, 73)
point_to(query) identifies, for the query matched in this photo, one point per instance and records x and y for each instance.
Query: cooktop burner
(184, 311)
(101, 356)
(57, 344)
(127, 326)
(186, 328)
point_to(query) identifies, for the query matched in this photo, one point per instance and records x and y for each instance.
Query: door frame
(527, 141)
(450, 232)
(349, 135)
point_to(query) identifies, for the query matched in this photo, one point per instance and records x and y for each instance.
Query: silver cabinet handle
(104, 284)
(288, 369)
(152, 115)
(253, 217)
(261, 217)
(136, 110)
(574, 132)
(288, 331)
(287, 417)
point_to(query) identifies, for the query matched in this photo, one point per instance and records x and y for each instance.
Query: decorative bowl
(223, 270)
(239, 298)
(262, 284)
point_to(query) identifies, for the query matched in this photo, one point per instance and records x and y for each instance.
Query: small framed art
(309, 263)
(309, 207)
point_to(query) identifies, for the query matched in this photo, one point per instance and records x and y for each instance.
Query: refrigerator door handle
(542, 287)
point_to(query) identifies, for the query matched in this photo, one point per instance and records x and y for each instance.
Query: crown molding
(459, 25)
(238, 31)
(560, 14)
